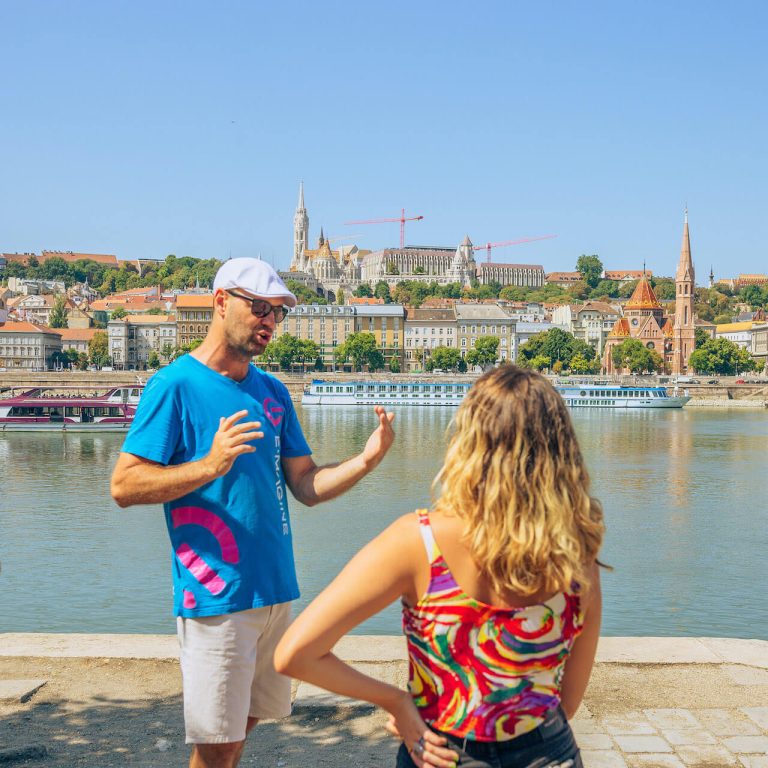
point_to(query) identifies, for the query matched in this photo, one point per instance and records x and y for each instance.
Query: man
(216, 440)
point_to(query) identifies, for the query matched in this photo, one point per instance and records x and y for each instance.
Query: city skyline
(145, 130)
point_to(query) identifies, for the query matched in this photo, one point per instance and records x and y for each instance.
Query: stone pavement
(99, 700)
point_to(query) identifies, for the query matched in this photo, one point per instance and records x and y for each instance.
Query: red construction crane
(488, 246)
(402, 221)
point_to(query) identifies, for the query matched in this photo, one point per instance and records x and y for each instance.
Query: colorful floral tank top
(480, 672)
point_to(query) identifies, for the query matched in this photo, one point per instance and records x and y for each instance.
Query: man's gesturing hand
(230, 441)
(381, 439)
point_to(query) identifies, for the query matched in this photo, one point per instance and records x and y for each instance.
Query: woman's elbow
(285, 659)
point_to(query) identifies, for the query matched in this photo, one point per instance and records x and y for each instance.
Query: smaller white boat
(617, 396)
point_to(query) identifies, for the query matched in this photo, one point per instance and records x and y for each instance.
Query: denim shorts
(547, 746)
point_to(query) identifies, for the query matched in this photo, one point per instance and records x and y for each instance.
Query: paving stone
(19, 690)
(678, 719)
(654, 761)
(757, 714)
(594, 741)
(748, 744)
(586, 726)
(642, 744)
(742, 675)
(602, 759)
(629, 723)
(706, 755)
(754, 761)
(677, 737)
(724, 723)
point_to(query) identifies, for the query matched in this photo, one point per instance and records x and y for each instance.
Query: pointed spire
(685, 267)
(300, 206)
(322, 236)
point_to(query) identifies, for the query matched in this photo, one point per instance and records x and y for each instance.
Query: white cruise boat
(321, 392)
(617, 396)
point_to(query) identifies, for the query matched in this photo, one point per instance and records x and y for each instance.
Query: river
(683, 493)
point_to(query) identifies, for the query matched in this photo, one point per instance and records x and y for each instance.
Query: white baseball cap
(254, 276)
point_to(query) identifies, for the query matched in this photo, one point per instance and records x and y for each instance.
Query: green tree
(394, 364)
(303, 294)
(285, 350)
(392, 268)
(98, 349)
(381, 291)
(580, 364)
(723, 319)
(633, 355)
(167, 352)
(609, 288)
(664, 288)
(363, 291)
(484, 353)
(590, 268)
(55, 268)
(156, 311)
(118, 313)
(557, 345)
(579, 290)
(444, 358)
(340, 297)
(721, 356)
(58, 316)
(701, 337)
(361, 349)
(153, 360)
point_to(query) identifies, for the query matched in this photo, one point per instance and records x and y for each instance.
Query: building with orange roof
(362, 300)
(194, 313)
(564, 279)
(76, 338)
(28, 346)
(134, 338)
(645, 319)
(37, 308)
(624, 275)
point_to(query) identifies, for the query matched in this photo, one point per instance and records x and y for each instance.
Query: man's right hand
(230, 441)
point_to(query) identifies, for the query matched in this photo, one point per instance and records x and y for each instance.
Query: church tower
(300, 233)
(683, 334)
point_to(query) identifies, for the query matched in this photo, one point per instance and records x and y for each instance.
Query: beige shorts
(228, 673)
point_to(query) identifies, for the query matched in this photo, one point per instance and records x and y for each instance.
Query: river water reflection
(683, 493)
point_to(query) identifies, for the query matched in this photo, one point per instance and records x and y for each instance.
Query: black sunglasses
(262, 308)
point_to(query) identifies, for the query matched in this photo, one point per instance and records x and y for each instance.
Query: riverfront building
(27, 346)
(133, 338)
(194, 313)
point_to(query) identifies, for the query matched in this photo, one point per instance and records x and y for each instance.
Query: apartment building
(425, 329)
(194, 312)
(27, 346)
(387, 323)
(133, 338)
(328, 325)
(476, 320)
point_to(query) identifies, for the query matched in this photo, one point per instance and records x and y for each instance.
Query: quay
(108, 700)
(725, 394)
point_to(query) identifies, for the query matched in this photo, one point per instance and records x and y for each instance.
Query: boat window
(135, 393)
(582, 393)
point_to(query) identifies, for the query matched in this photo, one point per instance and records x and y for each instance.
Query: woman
(500, 591)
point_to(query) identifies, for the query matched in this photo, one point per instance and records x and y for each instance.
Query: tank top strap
(427, 536)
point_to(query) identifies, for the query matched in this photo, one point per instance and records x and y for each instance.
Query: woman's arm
(379, 574)
(578, 666)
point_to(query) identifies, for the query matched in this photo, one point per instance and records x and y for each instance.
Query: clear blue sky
(148, 128)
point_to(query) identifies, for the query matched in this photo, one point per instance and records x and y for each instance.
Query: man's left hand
(381, 439)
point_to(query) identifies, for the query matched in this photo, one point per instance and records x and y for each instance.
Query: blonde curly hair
(514, 473)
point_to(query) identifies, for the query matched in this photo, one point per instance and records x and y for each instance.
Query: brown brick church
(672, 336)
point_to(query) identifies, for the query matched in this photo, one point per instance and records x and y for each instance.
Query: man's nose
(269, 320)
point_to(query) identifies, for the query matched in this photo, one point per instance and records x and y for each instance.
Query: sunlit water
(683, 492)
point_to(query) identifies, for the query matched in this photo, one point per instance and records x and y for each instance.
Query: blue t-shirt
(231, 538)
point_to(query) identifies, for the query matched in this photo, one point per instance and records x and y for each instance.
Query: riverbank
(104, 700)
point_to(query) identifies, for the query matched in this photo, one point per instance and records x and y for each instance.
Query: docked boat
(616, 396)
(321, 392)
(43, 409)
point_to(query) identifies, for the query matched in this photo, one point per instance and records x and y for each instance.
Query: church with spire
(645, 319)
